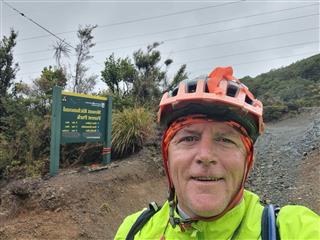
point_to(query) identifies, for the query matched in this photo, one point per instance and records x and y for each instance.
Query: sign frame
(56, 125)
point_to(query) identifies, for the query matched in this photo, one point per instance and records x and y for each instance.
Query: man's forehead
(216, 127)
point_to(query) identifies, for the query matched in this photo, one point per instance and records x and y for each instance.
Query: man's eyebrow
(220, 132)
(189, 131)
(227, 134)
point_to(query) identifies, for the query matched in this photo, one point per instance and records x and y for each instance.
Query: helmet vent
(174, 92)
(192, 88)
(248, 100)
(206, 88)
(232, 90)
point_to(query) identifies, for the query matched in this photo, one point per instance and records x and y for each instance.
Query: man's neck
(181, 213)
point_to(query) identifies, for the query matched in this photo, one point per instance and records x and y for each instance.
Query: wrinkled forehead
(214, 127)
(201, 123)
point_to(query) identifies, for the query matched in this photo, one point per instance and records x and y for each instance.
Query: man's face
(206, 165)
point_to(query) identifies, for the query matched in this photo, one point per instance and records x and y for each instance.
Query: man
(210, 127)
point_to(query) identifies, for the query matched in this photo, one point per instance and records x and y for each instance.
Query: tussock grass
(130, 129)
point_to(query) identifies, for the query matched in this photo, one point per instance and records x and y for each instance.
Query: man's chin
(207, 207)
(206, 213)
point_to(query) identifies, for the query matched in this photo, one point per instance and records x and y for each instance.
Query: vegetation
(136, 84)
(80, 82)
(142, 81)
(130, 129)
(8, 71)
(287, 89)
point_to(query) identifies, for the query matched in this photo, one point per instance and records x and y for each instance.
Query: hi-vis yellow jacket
(294, 222)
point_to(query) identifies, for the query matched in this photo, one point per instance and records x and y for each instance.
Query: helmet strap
(174, 221)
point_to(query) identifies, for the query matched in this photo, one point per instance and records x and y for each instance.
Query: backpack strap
(143, 219)
(269, 228)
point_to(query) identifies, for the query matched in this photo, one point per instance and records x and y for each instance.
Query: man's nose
(205, 154)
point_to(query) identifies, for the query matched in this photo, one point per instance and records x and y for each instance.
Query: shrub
(130, 129)
(26, 153)
(121, 102)
(6, 153)
(274, 112)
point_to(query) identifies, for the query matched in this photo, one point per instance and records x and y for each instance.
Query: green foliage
(49, 78)
(79, 80)
(26, 130)
(25, 110)
(178, 77)
(27, 151)
(142, 81)
(16, 116)
(274, 112)
(146, 85)
(7, 67)
(130, 129)
(8, 71)
(120, 103)
(288, 89)
(82, 83)
(116, 72)
(6, 153)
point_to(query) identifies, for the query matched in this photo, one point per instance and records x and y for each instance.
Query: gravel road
(281, 174)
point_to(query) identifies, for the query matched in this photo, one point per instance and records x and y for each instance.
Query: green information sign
(79, 118)
(83, 119)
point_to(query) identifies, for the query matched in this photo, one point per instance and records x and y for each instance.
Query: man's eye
(224, 140)
(189, 139)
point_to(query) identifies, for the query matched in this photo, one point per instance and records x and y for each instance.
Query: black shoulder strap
(142, 220)
(269, 229)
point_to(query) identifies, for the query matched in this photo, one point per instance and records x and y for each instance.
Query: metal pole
(55, 131)
(107, 143)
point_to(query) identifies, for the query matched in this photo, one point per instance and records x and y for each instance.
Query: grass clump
(130, 129)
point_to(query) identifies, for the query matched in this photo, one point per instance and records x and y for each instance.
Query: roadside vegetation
(135, 83)
(286, 90)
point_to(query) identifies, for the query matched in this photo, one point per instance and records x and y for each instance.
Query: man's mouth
(206, 178)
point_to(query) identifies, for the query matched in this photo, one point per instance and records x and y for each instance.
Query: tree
(144, 80)
(43, 86)
(8, 68)
(61, 48)
(80, 82)
(83, 84)
(8, 71)
(49, 78)
(178, 77)
(117, 72)
(146, 87)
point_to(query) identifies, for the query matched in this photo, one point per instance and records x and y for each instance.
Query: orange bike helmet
(219, 96)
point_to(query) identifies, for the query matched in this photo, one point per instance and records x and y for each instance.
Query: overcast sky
(252, 36)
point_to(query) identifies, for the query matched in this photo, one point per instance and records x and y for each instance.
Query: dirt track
(287, 168)
(83, 205)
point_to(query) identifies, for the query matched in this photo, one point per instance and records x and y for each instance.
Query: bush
(130, 129)
(120, 102)
(26, 153)
(6, 153)
(274, 112)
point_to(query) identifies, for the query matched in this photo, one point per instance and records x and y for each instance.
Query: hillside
(289, 88)
(78, 204)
